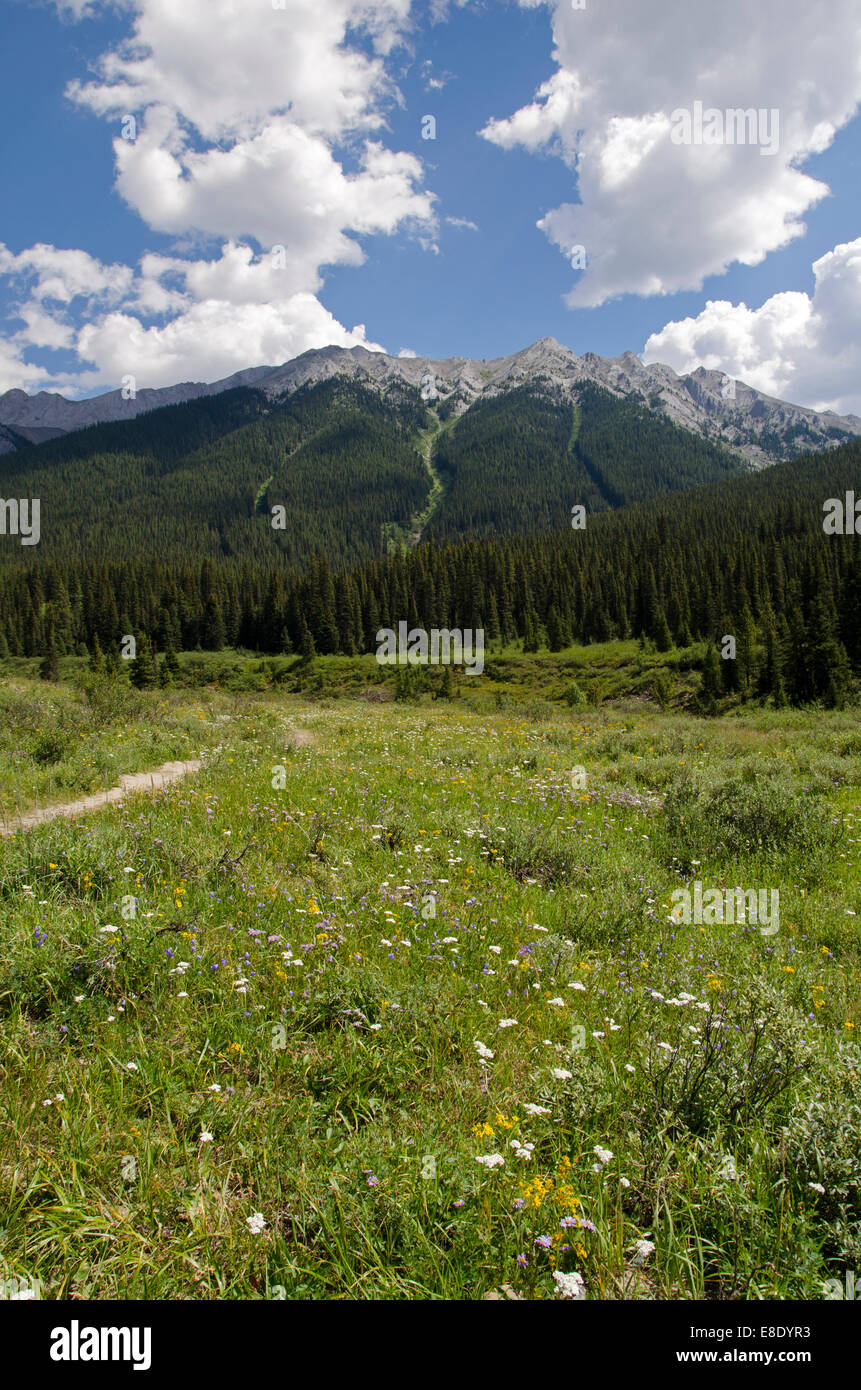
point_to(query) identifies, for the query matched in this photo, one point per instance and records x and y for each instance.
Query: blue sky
(261, 126)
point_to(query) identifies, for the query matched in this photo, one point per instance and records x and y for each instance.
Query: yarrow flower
(569, 1285)
(643, 1249)
(490, 1160)
(256, 1223)
(536, 1109)
(602, 1155)
(561, 1074)
(484, 1052)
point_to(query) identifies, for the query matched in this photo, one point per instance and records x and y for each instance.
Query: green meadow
(387, 1001)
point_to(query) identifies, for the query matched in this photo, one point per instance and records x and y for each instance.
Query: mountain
(338, 467)
(747, 555)
(760, 428)
(48, 415)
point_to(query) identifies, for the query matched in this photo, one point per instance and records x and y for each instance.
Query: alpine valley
(298, 508)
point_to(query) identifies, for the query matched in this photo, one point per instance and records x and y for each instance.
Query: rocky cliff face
(708, 403)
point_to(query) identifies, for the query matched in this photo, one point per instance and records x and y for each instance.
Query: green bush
(760, 820)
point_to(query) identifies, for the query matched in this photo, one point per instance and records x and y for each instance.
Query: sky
(191, 188)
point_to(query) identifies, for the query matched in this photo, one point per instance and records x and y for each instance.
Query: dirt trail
(130, 782)
(301, 738)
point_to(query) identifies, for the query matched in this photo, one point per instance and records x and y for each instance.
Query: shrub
(763, 819)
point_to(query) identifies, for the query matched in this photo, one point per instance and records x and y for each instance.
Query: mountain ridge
(761, 428)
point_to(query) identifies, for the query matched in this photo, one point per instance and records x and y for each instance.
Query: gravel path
(129, 783)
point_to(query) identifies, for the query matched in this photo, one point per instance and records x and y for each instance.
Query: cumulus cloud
(258, 122)
(803, 348)
(216, 317)
(252, 121)
(655, 216)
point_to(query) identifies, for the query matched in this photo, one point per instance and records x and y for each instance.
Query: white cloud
(212, 339)
(283, 187)
(221, 315)
(65, 275)
(250, 122)
(657, 217)
(228, 67)
(238, 112)
(802, 348)
(18, 375)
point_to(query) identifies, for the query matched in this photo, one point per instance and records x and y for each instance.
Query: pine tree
(661, 631)
(49, 669)
(712, 686)
(140, 670)
(555, 634)
(97, 660)
(170, 669)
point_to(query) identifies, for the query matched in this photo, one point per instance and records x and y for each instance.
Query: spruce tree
(712, 686)
(140, 670)
(97, 660)
(49, 670)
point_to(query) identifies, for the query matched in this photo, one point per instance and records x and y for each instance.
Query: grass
(263, 990)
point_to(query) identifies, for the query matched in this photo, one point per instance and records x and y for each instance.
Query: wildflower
(256, 1223)
(561, 1074)
(507, 1022)
(484, 1052)
(602, 1155)
(817, 1187)
(623, 1182)
(518, 1204)
(490, 1160)
(559, 1002)
(576, 985)
(569, 1285)
(522, 1261)
(131, 1066)
(544, 1242)
(205, 1137)
(536, 1109)
(643, 1249)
